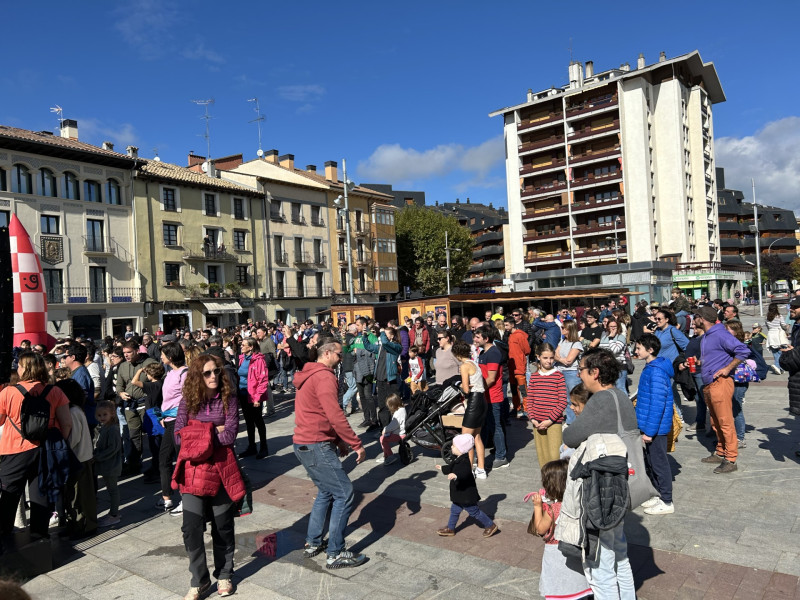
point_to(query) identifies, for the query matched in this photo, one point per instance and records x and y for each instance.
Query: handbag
(629, 366)
(151, 424)
(682, 376)
(744, 373)
(640, 487)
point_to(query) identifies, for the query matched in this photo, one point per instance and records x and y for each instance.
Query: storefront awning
(222, 307)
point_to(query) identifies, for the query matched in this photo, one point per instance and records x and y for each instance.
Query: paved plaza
(731, 536)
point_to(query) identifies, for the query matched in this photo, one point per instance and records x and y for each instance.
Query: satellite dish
(204, 166)
(260, 153)
(157, 159)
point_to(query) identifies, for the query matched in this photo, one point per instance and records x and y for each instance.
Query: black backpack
(34, 415)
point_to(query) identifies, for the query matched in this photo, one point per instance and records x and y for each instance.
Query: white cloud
(771, 157)
(200, 52)
(145, 25)
(392, 162)
(301, 93)
(95, 131)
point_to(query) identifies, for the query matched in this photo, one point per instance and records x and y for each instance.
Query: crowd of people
(176, 397)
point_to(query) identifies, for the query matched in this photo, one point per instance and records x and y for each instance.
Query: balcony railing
(92, 294)
(530, 123)
(527, 170)
(282, 258)
(319, 260)
(489, 236)
(582, 158)
(528, 146)
(199, 251)
(318, 222)
(587, 107)
(98, 245)
(341, 226)
(342, 256)
(593, 179)
(302, 258)
(363, 258)
(488, 251)
(536, 190)
(579, 134)
(298, 220)
(308, 291)
(277, 217)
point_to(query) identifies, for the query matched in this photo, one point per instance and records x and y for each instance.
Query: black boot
(251, 451)
(263, 451)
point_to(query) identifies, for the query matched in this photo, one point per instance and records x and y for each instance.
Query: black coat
(463, 489)
(790, 361)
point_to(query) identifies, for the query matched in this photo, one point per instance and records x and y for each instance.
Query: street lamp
(769, 248)
(758, 250)
(616, 240)
(348, 185)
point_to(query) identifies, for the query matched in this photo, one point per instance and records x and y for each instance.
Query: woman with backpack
(28, 410)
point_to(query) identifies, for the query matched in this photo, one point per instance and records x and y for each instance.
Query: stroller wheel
(406, 454)
(447, 452)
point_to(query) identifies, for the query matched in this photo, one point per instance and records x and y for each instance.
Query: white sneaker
(54, 520)
(650, 503)
(480, 473)
(381, 459)
(178, 510)
(660, 509)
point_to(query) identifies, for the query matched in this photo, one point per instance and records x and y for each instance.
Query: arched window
(91, 191)
(47, 183)
(72, 189)
(21, 181)
(113, 192)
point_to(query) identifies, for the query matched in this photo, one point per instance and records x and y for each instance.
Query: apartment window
(21, 180)
(97, 284)
(5, 217)
(172, 273)
(241, 275)
(53, 285)
(297, 214)
(3, 181)
(72, 190)
(301, 284)
(170, 234)
(47, 183)
(238, 208)
(280, 277)
(316, 216)
(91, 191)
(317, 251)
(168, 200)
(94, 235)
(275, 210)
(320, 277)
(113, 195)
(343, 278)
(50, 224)
(210, 205)
(359, 221)
(298, 249)
(239, 239)
(212, 274)
(362, 280)
(778, 218)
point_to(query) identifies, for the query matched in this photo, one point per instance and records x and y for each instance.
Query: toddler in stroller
(424, 424)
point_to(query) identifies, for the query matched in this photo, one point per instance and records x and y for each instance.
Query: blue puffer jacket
(654, 405)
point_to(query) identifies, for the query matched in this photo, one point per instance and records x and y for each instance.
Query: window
(316, 216)
(241, 275)
(298, 249)
(47, 183)
(21, 180)
(275, 210)
(297, 214)
(279, 256)
(3, 182)
(53, 285)
(343, 278)
(113, 192)
(238, 208)
(213, 274)
(72, 190)
(94, 236)
(320, 284)
(239, 239)
(172, 273)
(359, 221)
(385, 245)
(5, 217)
(97, 284)
(301, 284)
(91, 191)
(170, 234)
(279, 285)
(210, 205)
(168, 200)
(49, 224)
(318, 252)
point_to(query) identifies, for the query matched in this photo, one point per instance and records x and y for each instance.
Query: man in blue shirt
(74, 360)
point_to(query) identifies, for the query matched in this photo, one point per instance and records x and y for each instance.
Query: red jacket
(257, 378)
(201, 468)
(426, 338)
(518, 351)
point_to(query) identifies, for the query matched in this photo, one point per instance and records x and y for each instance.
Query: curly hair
(194, 388)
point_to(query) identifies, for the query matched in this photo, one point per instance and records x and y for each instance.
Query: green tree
(420, 250)
(776, 268)
(795, 267)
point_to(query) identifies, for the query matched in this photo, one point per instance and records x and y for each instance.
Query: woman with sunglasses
(209, 398)
(613, 340)
(253, 392)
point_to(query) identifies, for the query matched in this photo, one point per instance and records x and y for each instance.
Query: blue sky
(401, 90)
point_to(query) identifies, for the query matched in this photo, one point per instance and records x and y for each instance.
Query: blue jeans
(776, 357)
(321, 461)
(739, 390)
(571, 378)
(474, 511)
(350, 380)
(700, 401)
(622, 380)
(496, 425)
(613, 578)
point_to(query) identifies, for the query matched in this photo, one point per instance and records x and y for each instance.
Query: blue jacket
(668, 346)
(390, 351)
(552, 332)
(654, 404)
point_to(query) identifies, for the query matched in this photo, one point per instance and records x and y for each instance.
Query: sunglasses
(438, 337)
(214, 372)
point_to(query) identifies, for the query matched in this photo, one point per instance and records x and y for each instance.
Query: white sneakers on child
(386, 460)
(479, 473)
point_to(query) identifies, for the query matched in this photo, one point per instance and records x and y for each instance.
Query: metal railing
(92, 294)
(98, 244)
(199, 251)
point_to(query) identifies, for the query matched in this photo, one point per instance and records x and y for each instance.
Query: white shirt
(398, 423)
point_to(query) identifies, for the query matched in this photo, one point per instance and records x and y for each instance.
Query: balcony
(529, 124)
(587, 108)
(593, 179)
(318, 222)
(590, 156)
(277, 217)
(98, 245)
(302, 258)
(488, 251)
(319, 261)
(544, 213)
(203, 252)
(591, 132)
(298, 220)
(581, 255)
(555, 164)
(487, 265)
(309, 291)
(362, 229)
(551, 235)
(579, 207)
(489, 236)
(541, 144)
(93, 295)
(341, 226)
(529, 192)
(282, 258)
(342, 255)
(363, 259)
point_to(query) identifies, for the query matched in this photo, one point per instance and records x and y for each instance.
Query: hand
(125, 395)
(683, 366)
(647, 439)
(256, 404)
(537, 499)
(724, 372)
(344, 449)
(361, 455)
(438, 467)
(545, 424)
(220, 428)
(451, 476)
(535, 423)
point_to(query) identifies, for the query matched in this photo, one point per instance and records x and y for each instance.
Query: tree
(421, 255)
(776, 268)
(795, 267)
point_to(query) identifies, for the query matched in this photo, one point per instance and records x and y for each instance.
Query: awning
(222, 307)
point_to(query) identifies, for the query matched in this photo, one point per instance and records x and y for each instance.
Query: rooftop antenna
(570, 50)
(60, 112)
(156, 157)
(207, 135)
(258, 120)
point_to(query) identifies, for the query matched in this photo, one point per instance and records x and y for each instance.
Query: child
(545, 405)
(463, 489)
(654, 409)
(394, 431)
(416, 369)
(757, 339)
(153, 398)
(108, 458)
(561, 577)
(578, 398)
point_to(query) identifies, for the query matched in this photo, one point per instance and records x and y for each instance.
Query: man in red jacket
(321, 435)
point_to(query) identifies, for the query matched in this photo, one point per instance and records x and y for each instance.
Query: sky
(401, 90)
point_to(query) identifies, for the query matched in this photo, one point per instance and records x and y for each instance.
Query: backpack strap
(24, 393)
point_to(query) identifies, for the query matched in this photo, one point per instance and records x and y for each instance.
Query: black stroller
(424, 424)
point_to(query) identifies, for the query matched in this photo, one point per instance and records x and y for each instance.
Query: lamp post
(447, 254)
(769, 248)
(347, 185)
(616, 240)
(758, 250)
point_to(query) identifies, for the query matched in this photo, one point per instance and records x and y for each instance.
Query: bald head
(474, 322)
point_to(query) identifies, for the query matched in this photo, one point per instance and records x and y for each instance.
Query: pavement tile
(516, 582)
(45, 587)
(721, 591)
(83, 576)
(130, 588)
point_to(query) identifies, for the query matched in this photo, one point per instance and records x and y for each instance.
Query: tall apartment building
(75, 201)
(616, 166)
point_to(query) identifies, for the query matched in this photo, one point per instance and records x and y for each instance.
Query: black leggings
(166, 454)
(220, 509)
(253, 419)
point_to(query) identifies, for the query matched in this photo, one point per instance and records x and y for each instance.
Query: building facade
(75, 201)
(614, 167)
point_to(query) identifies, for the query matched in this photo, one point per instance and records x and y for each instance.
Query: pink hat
(464, 442)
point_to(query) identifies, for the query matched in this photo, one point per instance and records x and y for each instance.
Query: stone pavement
(732, 536)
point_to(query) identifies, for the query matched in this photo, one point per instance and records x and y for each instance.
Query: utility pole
(758, 250)
(447, 268)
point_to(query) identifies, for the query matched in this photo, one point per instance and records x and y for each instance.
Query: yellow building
(206, 262)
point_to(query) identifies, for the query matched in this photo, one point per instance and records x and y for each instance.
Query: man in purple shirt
(720, 352)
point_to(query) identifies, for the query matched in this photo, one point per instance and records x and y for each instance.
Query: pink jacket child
(257, 378)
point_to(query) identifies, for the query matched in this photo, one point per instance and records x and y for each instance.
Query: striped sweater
(547, 397)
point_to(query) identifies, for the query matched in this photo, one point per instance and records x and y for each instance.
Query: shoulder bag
(640, 487)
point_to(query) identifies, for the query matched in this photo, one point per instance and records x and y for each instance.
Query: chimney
(589, 69)
(662, 56)
(287, 161)
(331, 171)
(195, 159)
(575, 75)
(228, 163)
(625, 67)
(457, 201)
(640, 61)
(108, 146)
(437, 203)
(530, 95)
(69, 129)
(271, 156)
(311, 168)
(467, 200)
(132, 151)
